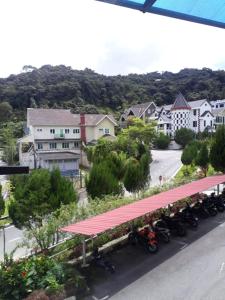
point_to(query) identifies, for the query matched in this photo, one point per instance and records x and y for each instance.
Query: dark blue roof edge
(167, 13)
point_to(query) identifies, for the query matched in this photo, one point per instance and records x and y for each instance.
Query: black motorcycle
(210, 206)
(174, 224)
(218, 202)
(199, 210)
(187, 217)
(100, 261)
(162, 233)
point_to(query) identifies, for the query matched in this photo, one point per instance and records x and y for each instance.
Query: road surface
(190, 268)
(165, 163)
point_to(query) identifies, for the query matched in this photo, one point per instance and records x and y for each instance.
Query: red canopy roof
(126, 213)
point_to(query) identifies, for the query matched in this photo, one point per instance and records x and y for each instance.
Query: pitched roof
(220, 112)
(180, 103)
(206, 112)
(62, 117)
(94, 119)
(138, 109)
(47, 117)
(196, 103)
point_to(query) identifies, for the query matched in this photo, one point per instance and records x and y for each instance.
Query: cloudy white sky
(106, 38)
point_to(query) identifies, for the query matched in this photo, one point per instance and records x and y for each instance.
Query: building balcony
(59, 136)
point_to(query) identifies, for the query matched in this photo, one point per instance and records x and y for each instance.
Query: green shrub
(162, 141)
(184, 136)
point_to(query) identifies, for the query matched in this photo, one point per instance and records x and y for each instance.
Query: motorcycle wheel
(132, 239)
(193, 223)
(181, 231)
(152, 248)
(212, 212)
(165, 238)
(220, 208)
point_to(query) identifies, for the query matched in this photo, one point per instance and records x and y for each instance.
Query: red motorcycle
(146, 237)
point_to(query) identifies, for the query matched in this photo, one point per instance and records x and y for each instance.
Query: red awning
(126, 213)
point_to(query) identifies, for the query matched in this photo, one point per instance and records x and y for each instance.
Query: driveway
(165, 163)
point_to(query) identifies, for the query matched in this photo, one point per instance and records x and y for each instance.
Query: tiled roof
(62, 117)
(180, 103)
(220, 112)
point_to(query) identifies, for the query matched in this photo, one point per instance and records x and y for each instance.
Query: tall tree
(217, 152)
(5, 112)
(101, 181)
(202, 159)
(132, 179)
(36, 196)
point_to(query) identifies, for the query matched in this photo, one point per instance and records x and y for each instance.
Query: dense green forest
(61, 86)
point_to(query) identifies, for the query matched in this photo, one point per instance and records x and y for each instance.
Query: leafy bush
(20, 278)
(184, 136)
(162, 141)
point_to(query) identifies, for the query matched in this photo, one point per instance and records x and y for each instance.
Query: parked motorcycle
(210, 206)
(145, 237)
(162, 233)
(187, 217)
(100, 261)
(218, 202)
(174, 224)
(199, 210)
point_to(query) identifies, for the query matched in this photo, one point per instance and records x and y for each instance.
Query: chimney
(82, 128)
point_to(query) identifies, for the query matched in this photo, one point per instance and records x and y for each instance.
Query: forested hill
(86, 90)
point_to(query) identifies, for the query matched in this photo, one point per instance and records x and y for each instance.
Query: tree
(189, 154)
(2, 202)
(202, 159)
(37, 195)
(101, 181)
(5, 111)
(217, 151)
(133, 176)
(162, 141)
(184, 136)
(9, 145)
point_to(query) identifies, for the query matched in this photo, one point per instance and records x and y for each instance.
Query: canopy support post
(218, 189)
(84, 263)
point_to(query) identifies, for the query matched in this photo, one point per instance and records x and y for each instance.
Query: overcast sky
(106, 38)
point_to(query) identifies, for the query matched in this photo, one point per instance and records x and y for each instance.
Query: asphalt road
(165, 163)
(191, 268)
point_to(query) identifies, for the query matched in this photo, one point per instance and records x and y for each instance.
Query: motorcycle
(162, 233)
(187, 217)
(218, 202)
(174, 224)
(100, 261)
(199, 210)
(210, 206)
(145, 237)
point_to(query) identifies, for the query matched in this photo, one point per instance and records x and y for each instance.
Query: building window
(52, 131)
(52, 145)
(194, 112)
(181, 121)
(65, 145)
(77, 130)
(194, 123)
(40, 146)
(204, 123)
(67, 131)
(211, 123)
(221, 105)
(106, 131)
(39, 129)
(100, 129)
(76, 144)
